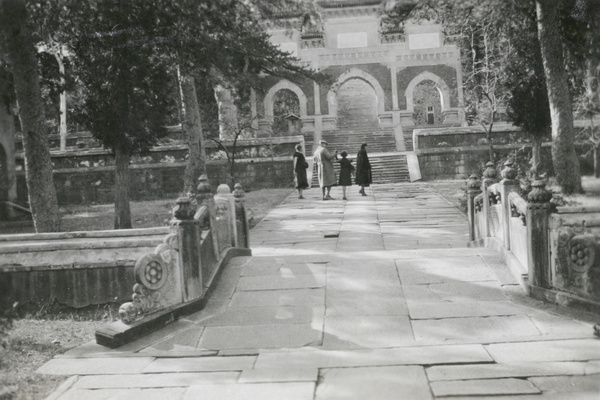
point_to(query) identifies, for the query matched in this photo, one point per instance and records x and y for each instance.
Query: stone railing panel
(575, 246)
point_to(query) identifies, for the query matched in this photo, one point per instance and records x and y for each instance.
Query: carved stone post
(538, 212)
(508, 184)
(225, 218)
(189, 235)
(473, 189)
(489, 178)
(243, 230)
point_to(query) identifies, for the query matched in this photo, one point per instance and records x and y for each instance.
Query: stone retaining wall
(85, 176)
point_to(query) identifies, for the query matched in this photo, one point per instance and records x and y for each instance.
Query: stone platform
(376, 297)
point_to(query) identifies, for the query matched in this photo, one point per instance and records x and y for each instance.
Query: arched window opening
(427, 102)
(286, 113)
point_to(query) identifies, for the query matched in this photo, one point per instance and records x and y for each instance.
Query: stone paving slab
(347, 303)
(456, 292)
(344, 332)
(446, 275)
(179, 379)
(293, 297)
(125, 394)
(483, 387)
(95, 366)
(488, 371)
(241, 316)
(200, 364)
(423, 355)
(457, 310)
(488, 329)
(290, 374)
(389, 383)
(252, 391)
(568, 384)
(558, 350)
(259, 336)
(272, 282)
(278, 267)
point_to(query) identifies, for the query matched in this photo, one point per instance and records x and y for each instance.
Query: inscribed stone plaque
(424, 41)
(349, 40)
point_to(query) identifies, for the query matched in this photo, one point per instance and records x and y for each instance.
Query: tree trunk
(122, 210)
(63, 103)
(192, 128)
(564, 158)
(38, 166)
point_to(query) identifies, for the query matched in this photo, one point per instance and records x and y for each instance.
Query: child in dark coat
(346, 171)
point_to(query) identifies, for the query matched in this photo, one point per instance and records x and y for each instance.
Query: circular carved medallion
(151, 272)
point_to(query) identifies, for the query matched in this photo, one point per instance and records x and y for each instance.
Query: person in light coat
(324, 162)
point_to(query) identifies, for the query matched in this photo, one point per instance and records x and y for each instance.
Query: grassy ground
(41, 334)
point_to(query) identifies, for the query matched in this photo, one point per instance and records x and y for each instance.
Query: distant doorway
(427, 102)
(357, 105)
(286, 113)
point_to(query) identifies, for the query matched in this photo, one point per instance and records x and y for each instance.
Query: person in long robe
(346, 171)
(324, 162)
(300, 166)
(363, 169)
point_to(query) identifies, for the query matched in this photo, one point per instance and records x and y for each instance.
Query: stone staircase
(385, 168)
(379, 140)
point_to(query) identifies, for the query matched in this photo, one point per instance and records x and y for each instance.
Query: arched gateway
(376, 72)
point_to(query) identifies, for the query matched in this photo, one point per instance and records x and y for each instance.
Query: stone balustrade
(552, 251)
(205, 233)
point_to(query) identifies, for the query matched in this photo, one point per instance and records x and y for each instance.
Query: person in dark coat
(300, 166)
(363, 169)
(346, 171)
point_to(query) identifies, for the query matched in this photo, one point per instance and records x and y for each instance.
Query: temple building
(386, 81)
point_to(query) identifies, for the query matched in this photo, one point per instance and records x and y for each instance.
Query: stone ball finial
(238, 192)
(183, 209)
(223, 188)
(473, 183)
(509, 173)
(204, 189)
(539, 193)
(490, 174)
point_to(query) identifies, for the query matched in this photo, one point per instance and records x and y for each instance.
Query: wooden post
(538, 252)
(508, 184)
(473, 189)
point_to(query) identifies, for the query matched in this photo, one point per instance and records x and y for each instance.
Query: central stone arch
(355, 73)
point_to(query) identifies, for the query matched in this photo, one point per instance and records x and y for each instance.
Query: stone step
(385, 169)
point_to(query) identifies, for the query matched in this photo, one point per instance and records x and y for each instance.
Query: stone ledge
(562, 299)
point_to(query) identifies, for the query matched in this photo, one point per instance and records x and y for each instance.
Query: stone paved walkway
(373, 298)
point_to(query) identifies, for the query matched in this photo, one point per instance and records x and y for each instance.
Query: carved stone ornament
(184, 209)
(204, 190)
(490, 174)
(473, 184)
(538, 193)
(509, 173)
(151, 273)
(582, 253)
(223, 188)
(238, 193)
